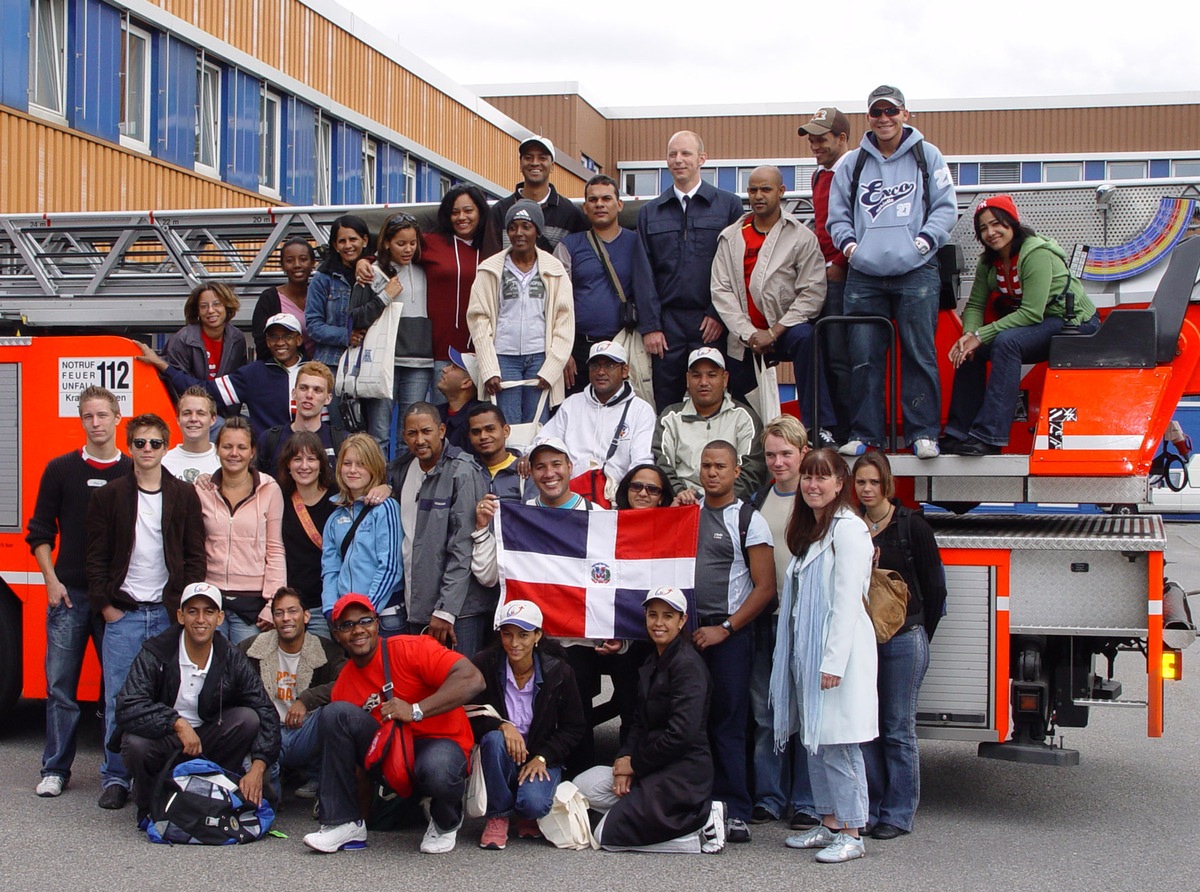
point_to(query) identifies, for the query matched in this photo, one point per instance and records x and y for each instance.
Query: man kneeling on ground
(192, 693)
(430, 685)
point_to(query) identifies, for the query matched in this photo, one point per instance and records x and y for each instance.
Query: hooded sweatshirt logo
(875, 198)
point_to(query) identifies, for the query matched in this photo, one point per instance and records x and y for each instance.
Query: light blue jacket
(372, 566)
(890, 213)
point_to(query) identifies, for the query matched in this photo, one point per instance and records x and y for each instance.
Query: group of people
(239, 586)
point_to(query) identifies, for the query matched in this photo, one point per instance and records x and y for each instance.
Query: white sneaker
(332, 837)
(853, 447)
(817, 838)
(926, 448)
(50, 786)
(438, 842)
(712, 835)
(843, 848)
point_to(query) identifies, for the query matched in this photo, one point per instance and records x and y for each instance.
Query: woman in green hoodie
(1018, 303)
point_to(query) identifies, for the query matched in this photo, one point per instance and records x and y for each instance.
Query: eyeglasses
(648, 488)
(349, 624)
(891, 111)
(155, 443)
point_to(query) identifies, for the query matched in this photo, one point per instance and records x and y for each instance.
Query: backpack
(198, 802)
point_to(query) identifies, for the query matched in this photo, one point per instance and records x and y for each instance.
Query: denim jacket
(327, 316)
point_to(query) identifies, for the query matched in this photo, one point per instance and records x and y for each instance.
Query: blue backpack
(198, 802)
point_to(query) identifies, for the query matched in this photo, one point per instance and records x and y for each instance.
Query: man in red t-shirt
(430, 684)
(828, 134)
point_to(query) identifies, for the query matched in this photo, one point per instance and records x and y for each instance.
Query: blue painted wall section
(239, 148)
(346, 185)
(173, 134)
(1093, 170)
(299, 150)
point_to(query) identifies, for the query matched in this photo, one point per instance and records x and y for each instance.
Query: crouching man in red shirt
(430, 686)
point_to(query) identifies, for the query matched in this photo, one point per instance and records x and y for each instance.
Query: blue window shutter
(299, 151)
(239, 151)
(14, 54)
(176, 101)
(94, 68)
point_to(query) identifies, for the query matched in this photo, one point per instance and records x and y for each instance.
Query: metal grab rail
(894, 368)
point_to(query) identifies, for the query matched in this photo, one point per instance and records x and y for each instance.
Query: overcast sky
(642, 52)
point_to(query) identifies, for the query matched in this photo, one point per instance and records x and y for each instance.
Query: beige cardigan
(484, 309)
(788, 281)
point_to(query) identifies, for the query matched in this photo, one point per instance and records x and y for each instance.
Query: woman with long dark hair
(305, 479)
(327, 311)
(645, 486)
(823, 680)
(1017, 304)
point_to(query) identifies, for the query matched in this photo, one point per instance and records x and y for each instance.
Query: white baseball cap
(522, 614)
(669, 594)
(202, 590)
(712, 354)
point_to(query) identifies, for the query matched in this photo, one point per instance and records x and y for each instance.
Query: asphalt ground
(1124, 819)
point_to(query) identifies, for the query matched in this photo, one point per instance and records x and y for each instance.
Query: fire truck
(1039, 605)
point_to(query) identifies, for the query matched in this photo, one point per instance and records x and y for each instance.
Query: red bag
(390, 756)
(590, 485)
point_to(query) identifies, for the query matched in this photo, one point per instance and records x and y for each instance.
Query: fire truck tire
(10, 652)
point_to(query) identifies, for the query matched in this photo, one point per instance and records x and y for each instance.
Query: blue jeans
(531, 799)
(796, 347)
(408, 386)
(892, 761)
(237, 629)
(839, 783)
(779, 778)
(123, 638)
(982, 404)
(835, 348)
(300, 747)
(519, 403)
(912, 301)
(318, 624)
(67, 632)
(435, 395)
(470, 633)
(729, 665)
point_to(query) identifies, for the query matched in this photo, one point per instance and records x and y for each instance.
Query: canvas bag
(197, 802)
(368, 371)
(521, 436)
(764, 399)
(566, 824)
(475, 800)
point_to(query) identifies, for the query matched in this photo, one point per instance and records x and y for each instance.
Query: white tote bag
(566, 824)
(475, 802)
(764, 399)
(521, 436)
(368, 371)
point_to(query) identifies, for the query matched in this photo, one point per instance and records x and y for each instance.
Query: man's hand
(655, 343)
(377, 494)
(569, 372)
(188, 737)
(251, 783)
(295, 715)
(151, 358)
(608, 647)
(710, 636)
(622, 776)
(514, 743)
(486, 510)
(685, 497)
(442, 631)
(492, 385)
(56, 593)
(710, 329)
(363, 273)
(534, 769)
(112, 614)
(762, 341)
(849, 250)
(396, 710)
(356, 337)
(835, 273)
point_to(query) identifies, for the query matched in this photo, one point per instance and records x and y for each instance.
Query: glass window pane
(47, 56)
(1062, 172)
(1126, 170)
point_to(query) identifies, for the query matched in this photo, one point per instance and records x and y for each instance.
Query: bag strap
(612, 447)
(904, 528)
(922, 165)
(387, 671)
(306, 521)
(745, 515)
(354, 529)
(602, 253)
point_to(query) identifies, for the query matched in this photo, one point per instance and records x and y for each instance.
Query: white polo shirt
(191, 680)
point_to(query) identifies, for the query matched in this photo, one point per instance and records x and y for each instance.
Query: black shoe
(886, 831)
(114, 797)
(761, 815)
(803, 821)
(949, 444)
(825, 440)
(736, 830)
(974, 446)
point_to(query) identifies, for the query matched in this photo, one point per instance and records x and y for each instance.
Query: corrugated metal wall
(48, 168)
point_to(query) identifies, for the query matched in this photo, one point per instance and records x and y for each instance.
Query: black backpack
(198, 802)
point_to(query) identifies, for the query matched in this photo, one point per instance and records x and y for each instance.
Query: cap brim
(520, 624)
(812, 130)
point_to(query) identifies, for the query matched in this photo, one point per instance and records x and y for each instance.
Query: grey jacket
(441, 577)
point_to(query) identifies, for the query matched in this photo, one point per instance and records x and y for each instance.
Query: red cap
(351, 600)
(998, 202)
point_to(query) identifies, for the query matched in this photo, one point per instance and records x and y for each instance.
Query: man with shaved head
(768, 284)
(679, 232)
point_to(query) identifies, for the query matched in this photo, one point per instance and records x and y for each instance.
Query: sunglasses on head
(648, 488)
(155, 443)
(891, 111)
(402, 220)
(349, 624)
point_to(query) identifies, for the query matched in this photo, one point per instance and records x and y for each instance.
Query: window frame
(1048, 166)
(322, 160)
(270, 151)
(1145, 168)
(208, 72)
(58, 62)
(410, 179)
(131, 32)
(370, 171)
(630, 176)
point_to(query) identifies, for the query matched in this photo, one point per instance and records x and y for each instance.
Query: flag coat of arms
(590, 570)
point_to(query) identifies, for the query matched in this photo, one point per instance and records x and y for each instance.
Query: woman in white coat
(823, 679)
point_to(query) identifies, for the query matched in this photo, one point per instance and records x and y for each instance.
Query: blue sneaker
(854, 447)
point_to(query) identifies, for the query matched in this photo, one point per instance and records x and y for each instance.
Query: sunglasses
(402, 220)
(349, 624)
(155, 443)
(648, 488)
(891, 111)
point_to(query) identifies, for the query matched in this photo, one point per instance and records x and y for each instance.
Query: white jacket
(850, 712)
(587, 426)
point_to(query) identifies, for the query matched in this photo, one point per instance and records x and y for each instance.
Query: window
(804, 173)
(743, 178)
(709, 175)
(48, 55)
(590, 163)
(997, 172)
(1127, 170)
(410, 179)
(369, 153)
(208, 117)
(1061, 172)
(443, 186)
(641, 182)
(953, 165)
(135, 87)
(323, 160)
(268, 141)
(1189, 168)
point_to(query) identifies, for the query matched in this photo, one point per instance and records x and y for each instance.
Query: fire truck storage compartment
(10, 447)
(957, 690)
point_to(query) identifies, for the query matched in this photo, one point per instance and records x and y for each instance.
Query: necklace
(875, 523)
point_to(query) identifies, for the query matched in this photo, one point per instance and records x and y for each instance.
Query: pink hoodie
(245, 548)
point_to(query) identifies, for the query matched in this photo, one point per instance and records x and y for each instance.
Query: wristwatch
(727, 626)
(417, 714)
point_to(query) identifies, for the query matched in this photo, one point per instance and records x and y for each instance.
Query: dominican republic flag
(590, 570)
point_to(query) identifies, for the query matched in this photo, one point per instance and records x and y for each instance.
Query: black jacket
(922, 569)
(558, 723)
(669, 752)
(146, 703)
